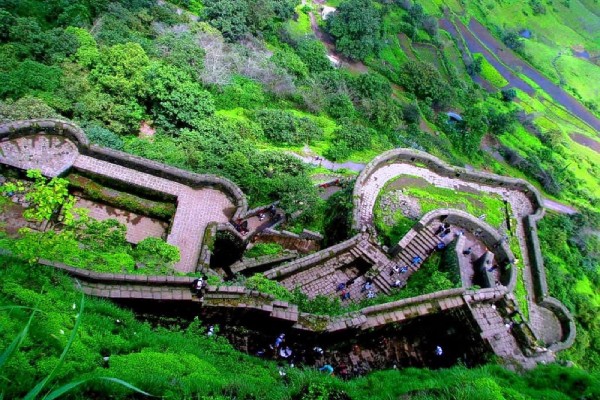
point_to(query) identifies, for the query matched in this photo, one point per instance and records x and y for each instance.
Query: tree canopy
(356, 27)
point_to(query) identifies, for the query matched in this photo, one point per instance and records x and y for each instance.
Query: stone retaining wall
(11, 130)
(434, 164)
(308, 261)
(508, 276)
(540, 286)
(490, 237)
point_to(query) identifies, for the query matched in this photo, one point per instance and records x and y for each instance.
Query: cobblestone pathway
(196, 208)
(50, 154)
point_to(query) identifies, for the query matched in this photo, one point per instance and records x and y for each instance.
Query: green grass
(264, 249)
(431, 198)
(301, 27)
(559, 30)
(172, 359)
(489, 73)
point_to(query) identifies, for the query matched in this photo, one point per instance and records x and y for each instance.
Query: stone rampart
(490, 237)
(434, 164)
(12, 130)
(540, 286)
(313, 259)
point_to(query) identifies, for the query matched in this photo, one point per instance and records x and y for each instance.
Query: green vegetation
(489, 73)
(264, 249)
(571, 255)
(76, 239)
(392, 224)
(355, 26)
(233, 92)
(181, 361)
(95, 191)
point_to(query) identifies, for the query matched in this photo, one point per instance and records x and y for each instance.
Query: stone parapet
(434, 164)
(310, 260)
(11, 130)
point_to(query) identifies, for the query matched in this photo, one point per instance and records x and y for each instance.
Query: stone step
(381, 284)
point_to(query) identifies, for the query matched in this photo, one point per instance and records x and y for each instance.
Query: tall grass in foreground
(35, 392)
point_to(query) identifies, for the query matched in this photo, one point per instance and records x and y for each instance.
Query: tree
(430, 25)
(356, 27)
(181, 51)
(356, 136)
(425, 81)
(121, 70)
(176, 100)
(314, 55)
(46, 197)
(283, 128)
(509, 95)
(228, 16)
(371, 86)
(512, 39)
(87, 53)
(339, 105)
(411, 113)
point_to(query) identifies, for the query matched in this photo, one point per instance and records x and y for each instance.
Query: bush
(314, 55)
(339, 105)
(425, 81)
(509, 95)
(290, 61)
(284, 128)
(338, 151)
(156, 255)
(264, 249)
(357, 137)
(103, 137)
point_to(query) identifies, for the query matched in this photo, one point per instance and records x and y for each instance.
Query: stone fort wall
(13, 130)
(434, 164)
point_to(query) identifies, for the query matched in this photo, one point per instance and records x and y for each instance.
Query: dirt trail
(586, 141)
(475, 46)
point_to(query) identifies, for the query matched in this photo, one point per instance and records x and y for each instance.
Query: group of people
(315, 356)
(368, 288)
(443, 230)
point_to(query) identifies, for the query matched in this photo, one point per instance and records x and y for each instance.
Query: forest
(240, 88)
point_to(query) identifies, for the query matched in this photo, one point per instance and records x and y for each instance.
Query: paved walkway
(196, 208)
(50, 154)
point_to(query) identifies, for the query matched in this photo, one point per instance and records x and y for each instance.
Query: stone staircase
(422, 244)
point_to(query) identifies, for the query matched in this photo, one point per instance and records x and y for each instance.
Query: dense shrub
(339, 105)
(283, 127)
(103, 137)
(356, 27)
(314, 54)
(424, 80)
(356, 136)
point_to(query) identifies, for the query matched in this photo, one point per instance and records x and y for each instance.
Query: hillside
(285, 104)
